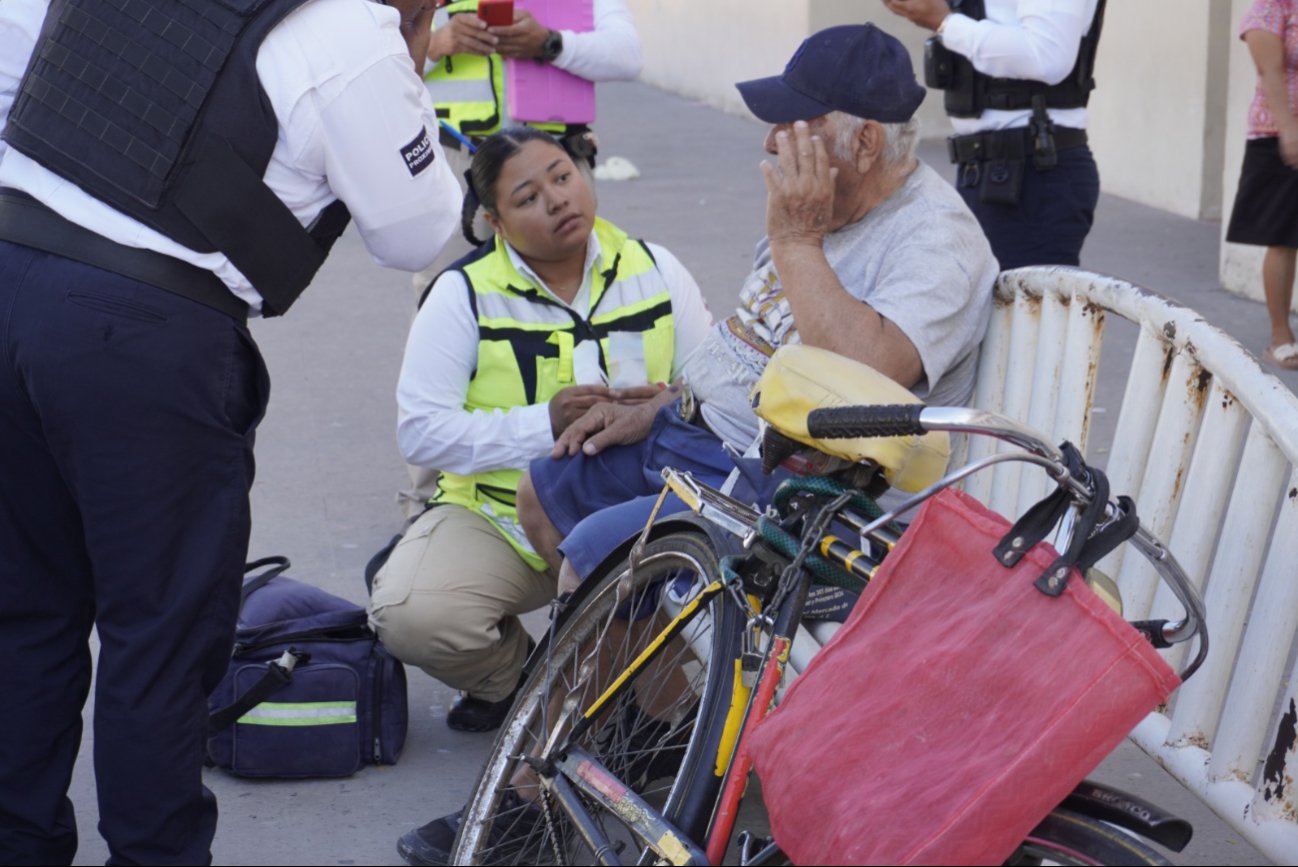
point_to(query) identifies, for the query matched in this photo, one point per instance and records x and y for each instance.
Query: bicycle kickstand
(754, 850)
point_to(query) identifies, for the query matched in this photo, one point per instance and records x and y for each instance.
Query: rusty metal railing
(1207, 443)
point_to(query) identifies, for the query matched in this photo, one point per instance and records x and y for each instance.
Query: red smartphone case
(497, 13)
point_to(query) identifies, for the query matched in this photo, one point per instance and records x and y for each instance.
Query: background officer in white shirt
(1017, 75)
(159, 183)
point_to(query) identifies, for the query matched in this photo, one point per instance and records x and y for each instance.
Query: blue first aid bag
(310, 692)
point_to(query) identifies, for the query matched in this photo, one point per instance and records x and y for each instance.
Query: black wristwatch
(553, 46)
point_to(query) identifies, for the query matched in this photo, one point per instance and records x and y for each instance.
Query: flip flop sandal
(1284, 356)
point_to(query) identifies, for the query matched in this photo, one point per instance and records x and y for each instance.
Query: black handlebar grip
(843, 422)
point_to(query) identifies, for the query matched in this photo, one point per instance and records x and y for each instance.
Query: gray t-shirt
(918, 259)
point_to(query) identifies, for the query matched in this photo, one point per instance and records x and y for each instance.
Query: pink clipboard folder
(540, 92)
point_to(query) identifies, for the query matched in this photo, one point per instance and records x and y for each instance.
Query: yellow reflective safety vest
(526, 343)
(468, 90)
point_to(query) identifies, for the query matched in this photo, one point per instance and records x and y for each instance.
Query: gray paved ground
(328, 465)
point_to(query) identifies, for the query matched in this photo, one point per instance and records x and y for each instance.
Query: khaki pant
(448, 601)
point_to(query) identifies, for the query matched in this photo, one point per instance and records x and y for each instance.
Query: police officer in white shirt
(1017, 75)
(170, 167)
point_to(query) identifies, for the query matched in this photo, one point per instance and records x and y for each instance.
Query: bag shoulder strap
(278, 564)
(279, 674)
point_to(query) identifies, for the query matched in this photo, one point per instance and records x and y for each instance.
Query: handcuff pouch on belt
(994, 161)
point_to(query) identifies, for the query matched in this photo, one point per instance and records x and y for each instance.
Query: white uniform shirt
(1036, 40)
(610, 52)
(343, 86)
(435, 430)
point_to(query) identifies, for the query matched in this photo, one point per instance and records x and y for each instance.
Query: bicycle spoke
(641, 733)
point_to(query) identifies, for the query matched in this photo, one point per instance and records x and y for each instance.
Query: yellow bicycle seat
(801, 378)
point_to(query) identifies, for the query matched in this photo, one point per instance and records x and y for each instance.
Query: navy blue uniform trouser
(1053, 216)
(126, 429)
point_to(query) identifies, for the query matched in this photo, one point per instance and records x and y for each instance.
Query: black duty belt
(1007, 144)
(24, 220)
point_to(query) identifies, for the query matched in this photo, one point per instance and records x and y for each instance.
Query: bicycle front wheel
(1065, 837)
(661, 734)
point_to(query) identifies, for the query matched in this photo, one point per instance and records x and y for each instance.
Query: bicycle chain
(547, 811)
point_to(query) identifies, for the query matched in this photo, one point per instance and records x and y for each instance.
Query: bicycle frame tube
(737, 778)
(580, 771)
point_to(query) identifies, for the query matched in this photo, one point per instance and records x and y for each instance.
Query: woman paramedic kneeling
(559, 311)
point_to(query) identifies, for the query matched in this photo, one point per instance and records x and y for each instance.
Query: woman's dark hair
(484, 172)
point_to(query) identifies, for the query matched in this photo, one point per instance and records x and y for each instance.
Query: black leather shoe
(431, 844)
(469, 714)
(515, 832)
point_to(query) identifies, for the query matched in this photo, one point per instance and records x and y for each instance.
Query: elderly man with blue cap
(868, 253)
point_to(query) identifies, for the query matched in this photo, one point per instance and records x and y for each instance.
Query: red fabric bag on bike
(956, 707)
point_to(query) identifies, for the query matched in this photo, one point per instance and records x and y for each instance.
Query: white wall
(700, 48)
(1155, 113)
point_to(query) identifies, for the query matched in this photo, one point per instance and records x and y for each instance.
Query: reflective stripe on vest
(308, 713)
(527, 344)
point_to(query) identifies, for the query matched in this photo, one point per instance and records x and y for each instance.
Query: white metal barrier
(1207, 444)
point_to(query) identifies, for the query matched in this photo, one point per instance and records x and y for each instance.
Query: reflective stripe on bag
(311, 713)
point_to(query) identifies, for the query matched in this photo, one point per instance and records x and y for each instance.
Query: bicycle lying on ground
(624, 745)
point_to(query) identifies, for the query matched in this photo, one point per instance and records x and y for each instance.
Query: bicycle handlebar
(842, 422)
(914, 419)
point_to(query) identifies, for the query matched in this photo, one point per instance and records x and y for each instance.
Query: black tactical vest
(154, 107)
(969, 92)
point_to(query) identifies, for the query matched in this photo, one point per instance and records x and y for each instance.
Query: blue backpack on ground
(310, 691)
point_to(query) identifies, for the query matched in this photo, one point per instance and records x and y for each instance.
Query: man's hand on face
(799, 189)
(925, 13)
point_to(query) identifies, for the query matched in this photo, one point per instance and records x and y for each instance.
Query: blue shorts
(599, 501)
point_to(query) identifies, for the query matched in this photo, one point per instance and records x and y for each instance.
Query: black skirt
(1266, 205)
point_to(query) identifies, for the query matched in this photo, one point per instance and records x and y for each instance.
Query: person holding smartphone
(471, 38)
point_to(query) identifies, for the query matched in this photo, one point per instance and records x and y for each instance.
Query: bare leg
(543, 535)
(1277, 282)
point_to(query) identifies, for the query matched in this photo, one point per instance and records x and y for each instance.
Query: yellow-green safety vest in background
(468, 90)
(525, 350)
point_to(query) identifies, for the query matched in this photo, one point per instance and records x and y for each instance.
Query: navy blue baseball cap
(855, 68)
